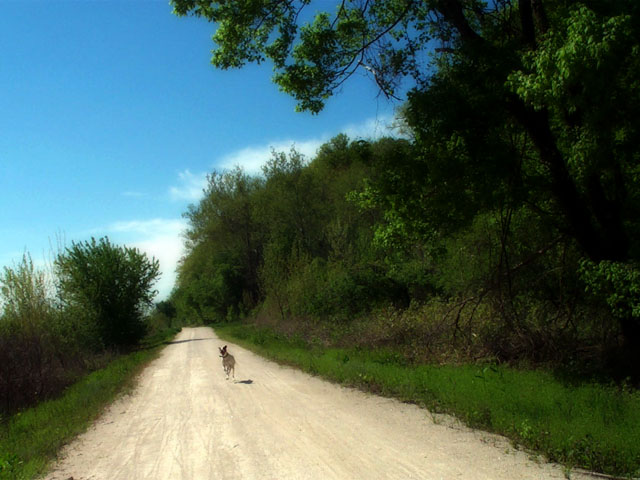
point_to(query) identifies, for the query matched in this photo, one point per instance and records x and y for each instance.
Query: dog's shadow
(244, 382)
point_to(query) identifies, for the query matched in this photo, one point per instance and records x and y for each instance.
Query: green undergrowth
(30, 439)
(583, 424)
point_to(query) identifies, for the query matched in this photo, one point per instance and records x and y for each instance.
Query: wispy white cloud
(371, 129)
(190, 186)
(160, 238)
(252, 158)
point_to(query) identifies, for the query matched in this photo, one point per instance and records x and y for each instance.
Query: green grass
(586, 425)
(30, 439)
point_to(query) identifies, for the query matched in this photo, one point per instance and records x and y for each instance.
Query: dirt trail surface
(185, 421)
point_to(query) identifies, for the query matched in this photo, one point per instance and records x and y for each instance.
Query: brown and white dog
(228, 362)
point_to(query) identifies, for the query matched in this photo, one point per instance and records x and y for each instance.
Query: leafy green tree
(166, 308)
(524, 109)
(25, 294)
(112, 284)
(537, 116)
(554, 83)
(294, 205)
(312, 60)
(224, 247)
(210, 283)
(42, 346)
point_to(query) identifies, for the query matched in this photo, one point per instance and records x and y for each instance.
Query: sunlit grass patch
(587, 425)
(29, 440)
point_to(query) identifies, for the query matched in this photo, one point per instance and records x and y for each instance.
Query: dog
(228, 362)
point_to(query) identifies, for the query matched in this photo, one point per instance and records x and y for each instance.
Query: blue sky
(111, 116)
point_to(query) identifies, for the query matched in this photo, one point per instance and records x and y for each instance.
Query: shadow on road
(246, 382)
(174, 342)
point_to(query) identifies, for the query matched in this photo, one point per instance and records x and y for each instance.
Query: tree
(112, 284)
(32, 342)
(561, 75)
(224, 242)
(166, 308)
(210, 282)
(312, 60)
(293, 205)
(25, 296)
(530, 104)
(542, 118)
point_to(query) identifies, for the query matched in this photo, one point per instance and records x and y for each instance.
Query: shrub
(35, 359)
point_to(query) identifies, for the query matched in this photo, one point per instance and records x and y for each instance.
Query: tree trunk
(599, 241)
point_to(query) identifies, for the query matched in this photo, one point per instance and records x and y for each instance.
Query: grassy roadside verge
(585, 425)
(30, 439)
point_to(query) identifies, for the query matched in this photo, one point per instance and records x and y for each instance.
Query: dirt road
(185, 421)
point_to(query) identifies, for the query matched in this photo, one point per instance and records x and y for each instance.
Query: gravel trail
(184, 421)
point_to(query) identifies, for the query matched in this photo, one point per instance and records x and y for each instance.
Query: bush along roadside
(587, 425)
(30, 439)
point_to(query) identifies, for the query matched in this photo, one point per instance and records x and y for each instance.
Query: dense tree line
(515, 200)
(330, 248)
